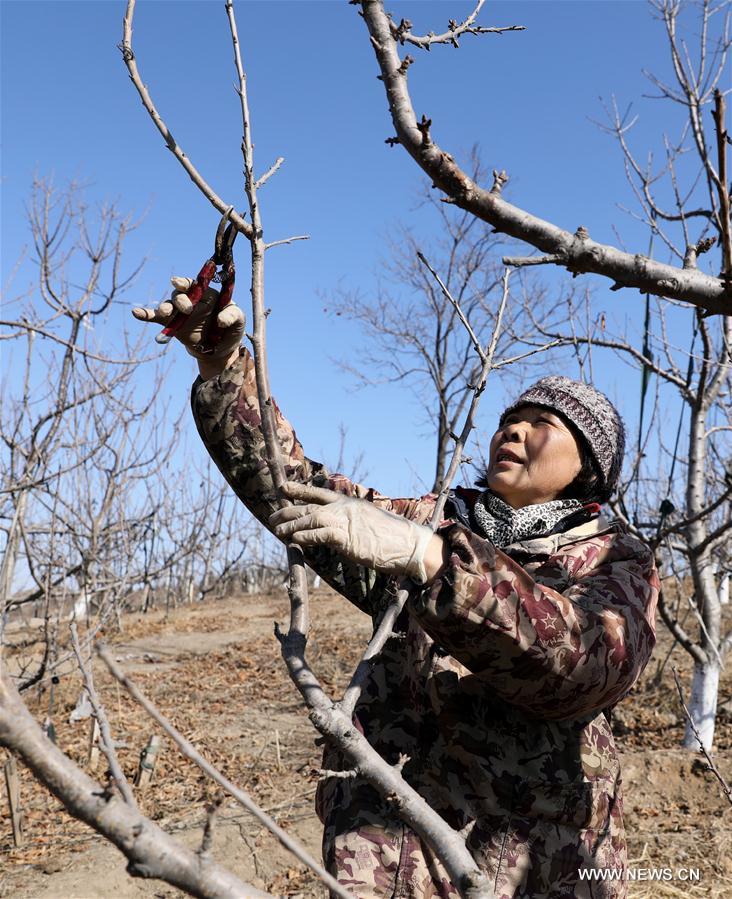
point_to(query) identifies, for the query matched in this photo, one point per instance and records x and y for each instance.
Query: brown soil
(215, 670)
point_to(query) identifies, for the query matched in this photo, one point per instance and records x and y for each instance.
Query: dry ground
(215, 670)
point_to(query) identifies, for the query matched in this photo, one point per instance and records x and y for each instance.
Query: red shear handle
(194, 293)
(212, 332)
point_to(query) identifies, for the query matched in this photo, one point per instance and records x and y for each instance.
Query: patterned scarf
(503, 525)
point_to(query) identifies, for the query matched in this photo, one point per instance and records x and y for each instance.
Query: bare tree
(65, 376)
(70, 423)
(89, 518)
(88, 521)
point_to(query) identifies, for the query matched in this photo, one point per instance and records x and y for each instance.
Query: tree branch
(486, 358)
(456, 306)
(723, 184)
(696, 652)
(105, 732)
(151, 852)
(402, 33)
(581, 254)
(189, 751)
(130, 61)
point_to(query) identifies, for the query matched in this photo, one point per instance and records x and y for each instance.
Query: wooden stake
(92, 758)
(12, 782)
(148, 758)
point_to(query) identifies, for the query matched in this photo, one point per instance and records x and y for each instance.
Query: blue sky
(69, 110)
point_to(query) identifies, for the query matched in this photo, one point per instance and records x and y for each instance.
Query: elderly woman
(534, 618)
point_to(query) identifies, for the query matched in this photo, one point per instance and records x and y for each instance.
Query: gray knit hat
(591, 413)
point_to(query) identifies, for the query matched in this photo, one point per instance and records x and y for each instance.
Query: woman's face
(533, 457)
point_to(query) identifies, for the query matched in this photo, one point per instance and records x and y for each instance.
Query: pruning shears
(223, 258)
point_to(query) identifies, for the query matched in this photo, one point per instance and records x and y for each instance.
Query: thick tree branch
(151, 852)
(723, 184)
(579, 254)
(188, 750)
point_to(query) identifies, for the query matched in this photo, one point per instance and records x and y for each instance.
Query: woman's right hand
(230, 320)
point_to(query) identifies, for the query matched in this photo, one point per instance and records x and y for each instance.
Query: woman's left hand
(354, 528)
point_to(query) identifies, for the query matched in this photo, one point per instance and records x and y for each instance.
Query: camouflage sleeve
(554, 654)
(226, 412)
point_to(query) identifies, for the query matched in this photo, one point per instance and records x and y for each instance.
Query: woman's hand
(355, 528)
(230, 320)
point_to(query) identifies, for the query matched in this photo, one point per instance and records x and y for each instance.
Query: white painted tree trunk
(703, 705)
(82, 606)
(724, 589)
(10, 556)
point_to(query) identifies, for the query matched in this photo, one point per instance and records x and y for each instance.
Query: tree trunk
(10, 556)
(705, 685)
(724, 589)
(703, 704)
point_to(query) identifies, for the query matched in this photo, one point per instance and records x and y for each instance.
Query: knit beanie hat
(591, 413)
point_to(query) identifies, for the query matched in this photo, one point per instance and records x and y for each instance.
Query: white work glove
(230, 319)
(355, 528)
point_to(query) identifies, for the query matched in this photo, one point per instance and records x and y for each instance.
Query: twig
(130, 61)
(212, 810)
(456, 306)
(107, 742)
(352, 693)
(286, 240)
(270, 171)
(355, 687)
(702, 748)
(12, 786)
(404, 36)
(560, 341)
(189, 751)
(300, 617)
(325, 774)
(21, 326)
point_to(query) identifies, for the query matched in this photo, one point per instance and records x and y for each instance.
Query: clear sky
(69, 109)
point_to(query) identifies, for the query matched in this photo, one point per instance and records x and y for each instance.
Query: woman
(535, 617)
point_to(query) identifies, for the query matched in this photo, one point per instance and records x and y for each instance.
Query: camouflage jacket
(493, 684)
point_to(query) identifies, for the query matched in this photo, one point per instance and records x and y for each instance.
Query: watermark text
(664, 875)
